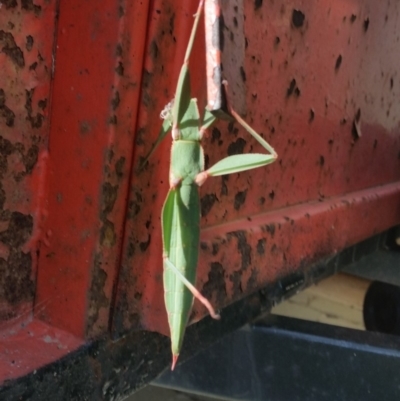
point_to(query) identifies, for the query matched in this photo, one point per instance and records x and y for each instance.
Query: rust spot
(120, 69)
(321, 160)
(10, 48)
(144, 245)
(98, 297)
(154, 50)
(270, 228)
(252, 282)
(206, 203)
(353, 18)
(42, 104)
(311, 116)
(108, 236)
(216, 283)
(257, 4)
(37, 120)
(203, 246)
(33, 66)
(261, 246)
(10, 3)
(85, 127)
(338, 62)
(366, 24)
(243, 247)
(297, 18)
(216, 136)
(29, 6)
(31, 158)
(131, 250)
(236, 280)
(29, 43)
(115, 101)
(118, 50)
(19, 230)
(16, 284)
(109, 196)
(2, 197)
(272, 195)
(110, 156)
(236, 147)
(292, 87)
(15, 277)
(113, 120)
(6, 112)
(119, 166)
(135, 205)
(215, 248)
(240, 199)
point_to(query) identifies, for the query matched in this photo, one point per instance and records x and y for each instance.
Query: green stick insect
(181, 210)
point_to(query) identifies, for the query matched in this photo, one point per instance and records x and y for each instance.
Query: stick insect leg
(196, 293)
(241, 162)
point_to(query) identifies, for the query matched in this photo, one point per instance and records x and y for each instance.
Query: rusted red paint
(26, 41)
(273, 245)
(80, 225)
(307, 71)
(96, 85)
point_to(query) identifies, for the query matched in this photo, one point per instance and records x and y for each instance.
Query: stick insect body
(181, 210)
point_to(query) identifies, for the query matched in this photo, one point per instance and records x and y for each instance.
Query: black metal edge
(105, 369)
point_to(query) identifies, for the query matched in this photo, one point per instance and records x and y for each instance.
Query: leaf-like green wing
(238, 163)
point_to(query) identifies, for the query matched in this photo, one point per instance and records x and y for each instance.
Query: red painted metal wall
(81, 89)
(320, 84)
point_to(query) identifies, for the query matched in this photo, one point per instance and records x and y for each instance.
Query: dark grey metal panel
(288, 359)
